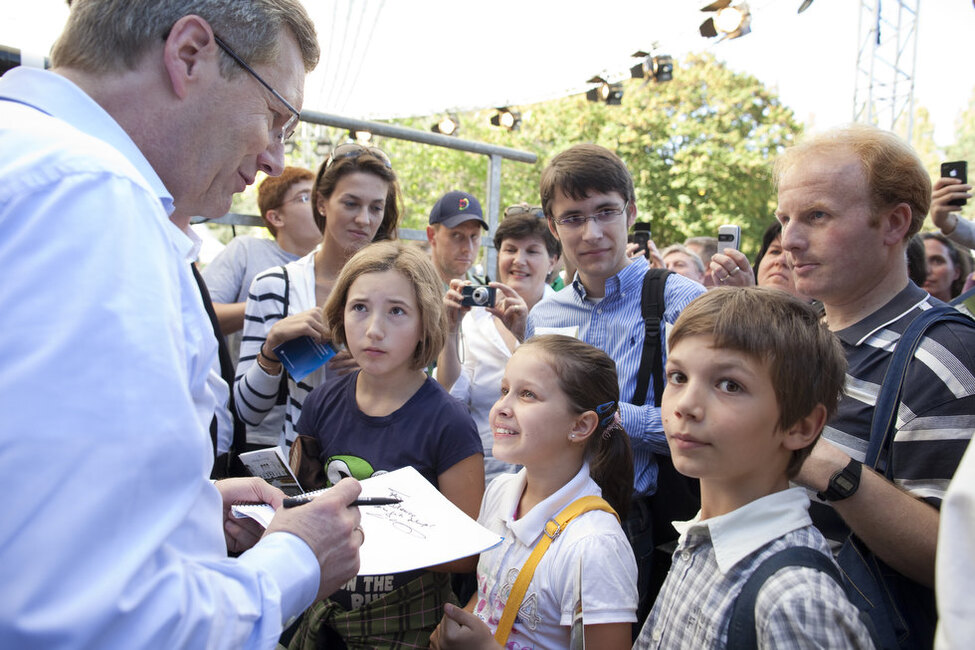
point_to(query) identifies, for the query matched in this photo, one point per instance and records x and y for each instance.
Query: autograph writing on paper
(401, 517)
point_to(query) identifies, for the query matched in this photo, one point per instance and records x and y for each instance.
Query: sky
(392, 58)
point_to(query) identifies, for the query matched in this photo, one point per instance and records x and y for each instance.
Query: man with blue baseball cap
(454, 234)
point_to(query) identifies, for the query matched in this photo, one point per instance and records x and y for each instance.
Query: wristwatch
(844, 483)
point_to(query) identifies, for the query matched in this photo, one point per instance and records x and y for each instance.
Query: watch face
(844, 483)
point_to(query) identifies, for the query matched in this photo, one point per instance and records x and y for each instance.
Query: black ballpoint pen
(291, 502)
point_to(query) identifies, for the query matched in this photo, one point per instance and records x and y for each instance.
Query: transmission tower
(887, 42)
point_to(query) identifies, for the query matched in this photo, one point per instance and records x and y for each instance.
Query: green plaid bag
(404, 618)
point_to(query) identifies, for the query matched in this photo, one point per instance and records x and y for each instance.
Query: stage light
(506, 118)
(663, 68)
(612, 94)
(596, 94)
(658, 67)
(643, 69)
(731, 21)
(448, 125)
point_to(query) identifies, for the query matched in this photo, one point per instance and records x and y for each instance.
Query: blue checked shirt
(798, 607)
(615, 325)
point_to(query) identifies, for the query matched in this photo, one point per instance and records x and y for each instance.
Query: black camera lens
(480, 295)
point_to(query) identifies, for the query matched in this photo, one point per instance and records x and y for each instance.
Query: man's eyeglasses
(533, 210)
(288, 129)
(300, 197)
(603, 216)
(354, 150)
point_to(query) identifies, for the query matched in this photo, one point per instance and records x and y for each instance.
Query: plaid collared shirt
(798, 607)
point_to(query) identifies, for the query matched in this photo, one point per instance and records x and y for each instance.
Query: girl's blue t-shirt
(431, 432)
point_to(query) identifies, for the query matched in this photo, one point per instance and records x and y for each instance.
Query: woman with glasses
(355, 201)
(480, 340)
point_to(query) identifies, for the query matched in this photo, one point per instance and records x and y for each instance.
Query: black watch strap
(844, 483)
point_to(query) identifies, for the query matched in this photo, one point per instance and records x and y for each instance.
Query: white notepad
(423, 530)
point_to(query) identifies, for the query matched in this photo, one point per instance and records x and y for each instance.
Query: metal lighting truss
(886, 56)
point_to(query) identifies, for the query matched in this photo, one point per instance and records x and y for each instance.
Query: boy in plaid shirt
(752, 377)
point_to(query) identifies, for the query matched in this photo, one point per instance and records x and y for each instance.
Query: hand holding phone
(641, 236)
(958, 170)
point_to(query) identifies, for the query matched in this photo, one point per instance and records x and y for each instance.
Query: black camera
(478, 296)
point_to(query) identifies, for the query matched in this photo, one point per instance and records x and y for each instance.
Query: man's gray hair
(104, 36)
(680, 248)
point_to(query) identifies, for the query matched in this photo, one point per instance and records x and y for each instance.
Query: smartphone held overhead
(729, 236)
(958, 170)
(641, 237)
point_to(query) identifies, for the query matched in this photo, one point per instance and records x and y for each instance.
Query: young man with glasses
(143, 121)
(588, 197)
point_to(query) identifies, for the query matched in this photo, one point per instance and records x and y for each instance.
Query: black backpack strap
(651, 361)
(741, 630)
(224, 464)
(287, 292)
(283, 385)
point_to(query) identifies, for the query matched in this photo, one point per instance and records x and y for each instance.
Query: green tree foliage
(699, 148)
(922, 140)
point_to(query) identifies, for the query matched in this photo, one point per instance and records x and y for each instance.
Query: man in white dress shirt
(113, 535)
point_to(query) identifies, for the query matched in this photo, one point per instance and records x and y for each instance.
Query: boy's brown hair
(805, 360)
(584, 169)
(273, 189)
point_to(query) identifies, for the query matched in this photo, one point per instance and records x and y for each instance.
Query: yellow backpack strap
(553, 528)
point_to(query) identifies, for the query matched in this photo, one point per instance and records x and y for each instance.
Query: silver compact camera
(478, 296)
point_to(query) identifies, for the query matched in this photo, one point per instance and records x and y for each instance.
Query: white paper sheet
(424, 530)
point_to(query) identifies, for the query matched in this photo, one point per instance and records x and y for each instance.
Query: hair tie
(615, 425)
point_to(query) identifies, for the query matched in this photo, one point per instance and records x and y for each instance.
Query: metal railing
(495, 154)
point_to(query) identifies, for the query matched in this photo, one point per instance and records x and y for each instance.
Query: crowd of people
(551, 407)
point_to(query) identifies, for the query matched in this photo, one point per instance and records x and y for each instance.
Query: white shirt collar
(739, 533)
(196, 243)
(530, 526)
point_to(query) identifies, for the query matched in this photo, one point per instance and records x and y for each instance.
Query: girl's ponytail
(611, 463)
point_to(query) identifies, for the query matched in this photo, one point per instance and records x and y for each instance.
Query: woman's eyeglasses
(354, 150)
(533, 210)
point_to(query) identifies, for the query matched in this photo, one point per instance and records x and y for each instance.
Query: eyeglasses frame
(591, 217)
(288, 129)
(295, 199)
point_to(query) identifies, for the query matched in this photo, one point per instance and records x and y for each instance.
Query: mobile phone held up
(641, 236)
(729, 236)
(959, 170)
